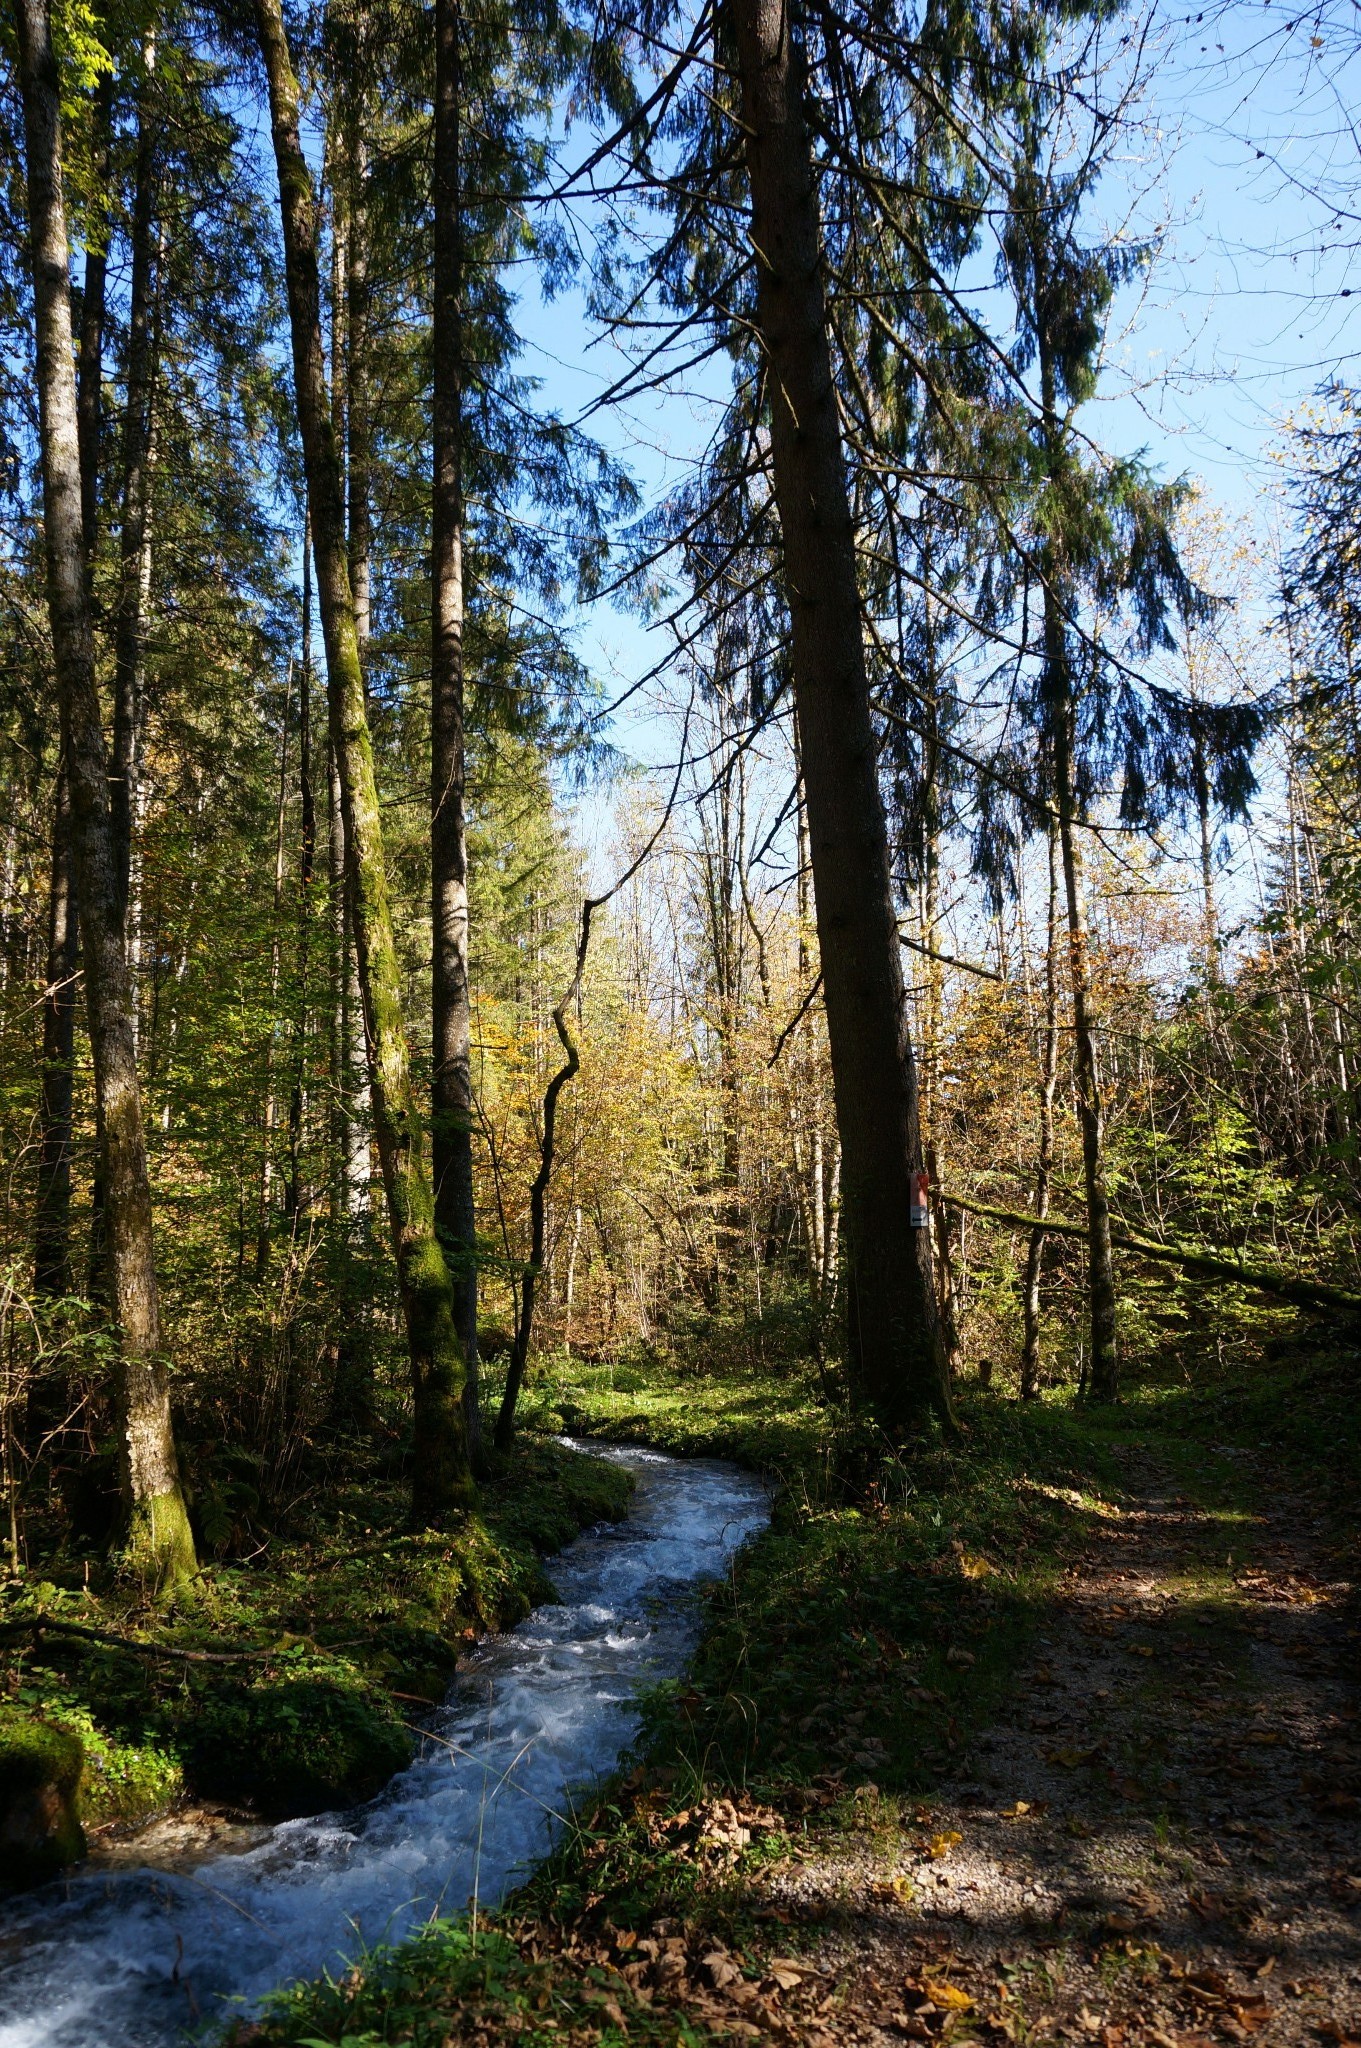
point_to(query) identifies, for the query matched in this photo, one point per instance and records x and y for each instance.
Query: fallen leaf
(940, 1845)
(977, 1567)
(1252, 2016)
(948, 1997)
(721, 1968)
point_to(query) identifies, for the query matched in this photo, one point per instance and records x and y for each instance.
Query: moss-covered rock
(295, 1745)
(40, 1771)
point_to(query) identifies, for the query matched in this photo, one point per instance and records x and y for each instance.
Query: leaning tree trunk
(895, 1345)
(451, 1084)
(158, 1537)
(440, 1478)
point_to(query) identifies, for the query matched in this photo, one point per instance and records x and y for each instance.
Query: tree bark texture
(134, 536)
(1061, 711)
(1103, 1382)
(52, 1209)
(440, 1477)
(158, 1537)
(451, 1057)
(90, 369)
(895, 1346)
(1044, 1164)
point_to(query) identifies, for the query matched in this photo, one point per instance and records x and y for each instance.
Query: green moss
(40, 1773)
(295, 1745)
(158, 1549)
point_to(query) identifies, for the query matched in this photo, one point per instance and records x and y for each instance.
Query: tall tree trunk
(59, 1029)
(52, 1217)
(347, 387)
(264, 1214)
(1044, 1164)
(1061, 709)
(158, 1537)
(307, 859)
(1209, 907)
(134, 537)
(1103, 1380)
(359, 425)
(90, 368)
(948, 1293)
(451, 1085)
(895, 1346)
(441, 1478)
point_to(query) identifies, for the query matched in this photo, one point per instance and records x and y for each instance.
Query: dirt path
(1160, 1844)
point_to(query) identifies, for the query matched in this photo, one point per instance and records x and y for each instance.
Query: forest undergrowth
(1046, 1731)
(296, 1677)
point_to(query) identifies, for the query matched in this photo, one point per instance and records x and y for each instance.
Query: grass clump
(453, 1984)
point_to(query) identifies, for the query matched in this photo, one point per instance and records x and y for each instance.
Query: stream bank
(129, 1959)
(348, 1629)
(1049, 1734)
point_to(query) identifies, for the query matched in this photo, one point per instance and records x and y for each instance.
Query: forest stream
(128, 1958)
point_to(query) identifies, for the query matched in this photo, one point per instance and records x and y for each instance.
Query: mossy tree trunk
(159, 1543)
(441, 1480)
(895, 1344)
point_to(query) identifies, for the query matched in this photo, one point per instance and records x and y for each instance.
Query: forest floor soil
(1159, 1841)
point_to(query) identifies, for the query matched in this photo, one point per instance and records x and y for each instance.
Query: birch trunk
(158, 1538)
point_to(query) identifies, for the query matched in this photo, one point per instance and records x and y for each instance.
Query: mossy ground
(347, 1630)
(850, 1659)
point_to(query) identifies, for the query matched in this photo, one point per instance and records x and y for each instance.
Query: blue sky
(1245, 139)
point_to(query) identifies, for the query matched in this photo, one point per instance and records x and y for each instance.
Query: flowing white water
(137, 1958)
